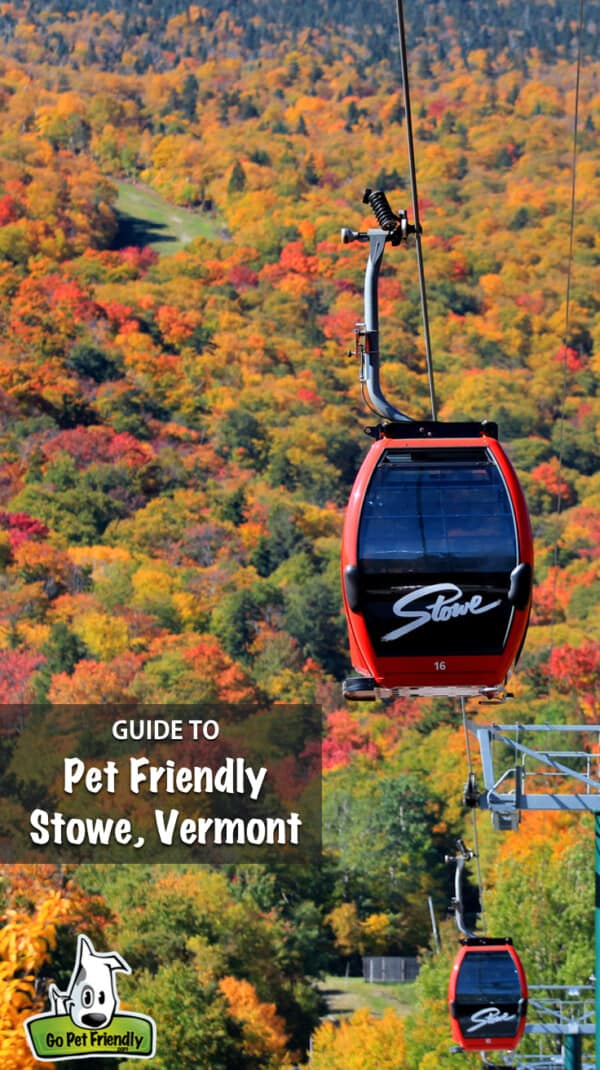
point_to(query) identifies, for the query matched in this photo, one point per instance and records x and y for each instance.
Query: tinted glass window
(437, 511)
(488, 975)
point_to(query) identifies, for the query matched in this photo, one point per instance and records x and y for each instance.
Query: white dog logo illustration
(91, 999)
(85, 1021)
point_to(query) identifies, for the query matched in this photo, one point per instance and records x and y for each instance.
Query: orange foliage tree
(263, 1030)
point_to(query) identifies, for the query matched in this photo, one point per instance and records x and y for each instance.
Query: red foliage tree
(21, 527)
(576, 670)
(16, 669)
(92, 444)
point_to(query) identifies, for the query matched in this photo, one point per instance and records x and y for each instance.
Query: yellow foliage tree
(36, 909)
(105, 636)
(376, 934)
(363, 1042)
(345, 923)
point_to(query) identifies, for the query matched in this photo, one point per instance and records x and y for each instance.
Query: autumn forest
(180, 426)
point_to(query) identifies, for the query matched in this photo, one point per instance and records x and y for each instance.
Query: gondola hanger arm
(463, 855)
(394, 228)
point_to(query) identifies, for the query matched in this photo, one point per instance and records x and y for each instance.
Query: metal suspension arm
(394, 228)
(463, 856)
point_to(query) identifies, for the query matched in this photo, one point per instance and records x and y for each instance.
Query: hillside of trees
(178, 439)
(157, 36)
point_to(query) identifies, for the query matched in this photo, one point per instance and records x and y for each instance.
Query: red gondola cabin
(437, 559)
(487, 996)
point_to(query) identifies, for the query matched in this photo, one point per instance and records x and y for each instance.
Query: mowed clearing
(344, 995)
(146, 218)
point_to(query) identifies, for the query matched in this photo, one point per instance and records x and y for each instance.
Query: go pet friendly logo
(84, 1021)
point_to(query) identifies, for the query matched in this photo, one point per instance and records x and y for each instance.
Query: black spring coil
(381, 207)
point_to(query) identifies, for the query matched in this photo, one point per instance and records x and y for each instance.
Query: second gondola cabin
(437, 561)
(487, 996)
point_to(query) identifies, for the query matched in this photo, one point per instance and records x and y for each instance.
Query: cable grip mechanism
(394, 225)
(471, 792)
